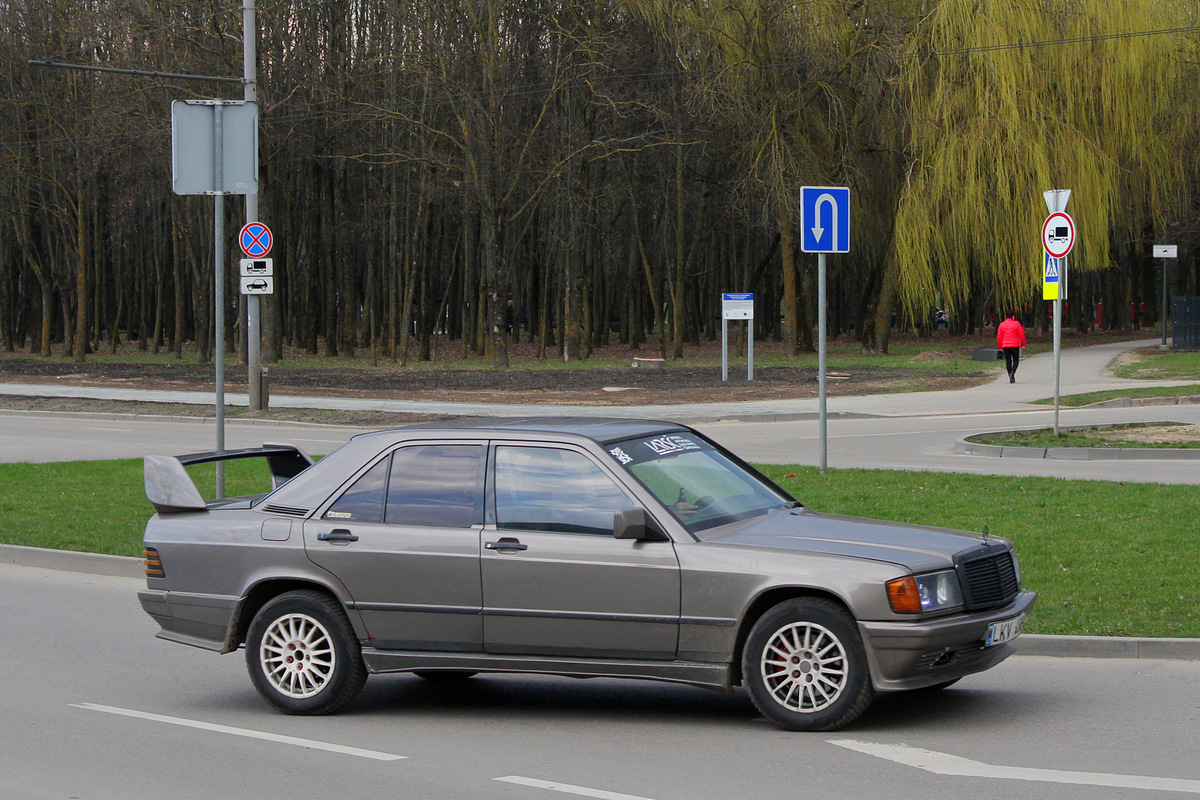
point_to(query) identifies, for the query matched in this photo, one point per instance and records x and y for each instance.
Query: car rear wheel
(302, 654)
(805, 668)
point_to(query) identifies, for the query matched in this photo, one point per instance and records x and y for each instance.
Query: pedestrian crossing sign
(1050, 278)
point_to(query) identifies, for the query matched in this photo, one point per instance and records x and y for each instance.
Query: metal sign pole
(750, 349)
(1058, 308)
(1056, 204)
(821, 361)
(1165, 262)
(823, 209)
(724, 349)
(253, 303)
(1057, 350)
(219, 284)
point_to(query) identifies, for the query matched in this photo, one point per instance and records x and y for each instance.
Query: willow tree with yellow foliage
(1009, 98)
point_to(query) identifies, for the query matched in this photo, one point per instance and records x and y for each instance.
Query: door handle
(338, 535)
(506, 543)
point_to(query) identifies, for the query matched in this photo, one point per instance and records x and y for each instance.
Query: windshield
(699, 484)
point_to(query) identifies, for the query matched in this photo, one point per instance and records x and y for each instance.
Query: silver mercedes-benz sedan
(580, 547)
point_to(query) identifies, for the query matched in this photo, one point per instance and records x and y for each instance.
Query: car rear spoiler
(170, 488)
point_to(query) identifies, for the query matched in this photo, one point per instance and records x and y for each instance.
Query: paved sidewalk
(1082, 370)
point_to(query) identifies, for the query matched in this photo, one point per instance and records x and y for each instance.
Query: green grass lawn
(1106, 558)
(1106, 436)
(1165, 365)
(1087, 398)
(1112, 559)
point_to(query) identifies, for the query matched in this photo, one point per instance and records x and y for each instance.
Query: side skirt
(716, 676)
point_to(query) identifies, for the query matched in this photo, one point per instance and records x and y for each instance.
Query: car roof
(298, 495)
(598, 429)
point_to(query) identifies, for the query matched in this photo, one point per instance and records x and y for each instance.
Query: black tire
(444, 675)
(303, 655)
(805, 668)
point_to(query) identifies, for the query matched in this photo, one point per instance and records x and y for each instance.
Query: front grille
(989, 578)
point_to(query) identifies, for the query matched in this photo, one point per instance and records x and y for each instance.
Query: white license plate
(1005, 630)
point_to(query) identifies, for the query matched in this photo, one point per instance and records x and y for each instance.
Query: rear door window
(436, 484)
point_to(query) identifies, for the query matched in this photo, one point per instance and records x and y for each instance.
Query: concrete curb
(1028, 644)
(965, 447)
(1034, 644)
(72, 561)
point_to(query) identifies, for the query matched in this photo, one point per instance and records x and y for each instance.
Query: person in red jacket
(1010, 337)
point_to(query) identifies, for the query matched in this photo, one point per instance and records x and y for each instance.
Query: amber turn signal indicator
(903, 595)
(154, 568)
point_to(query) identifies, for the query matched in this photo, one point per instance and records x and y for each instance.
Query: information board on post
(737, 306)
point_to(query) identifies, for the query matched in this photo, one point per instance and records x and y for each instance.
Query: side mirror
(632, 523)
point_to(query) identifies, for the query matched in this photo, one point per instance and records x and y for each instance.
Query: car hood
(919, 548)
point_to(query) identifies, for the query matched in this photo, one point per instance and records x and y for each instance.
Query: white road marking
(945, 764)
(569, 789)
(115, 430)
(269, 737)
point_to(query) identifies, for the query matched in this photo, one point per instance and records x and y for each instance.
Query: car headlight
(917, 594)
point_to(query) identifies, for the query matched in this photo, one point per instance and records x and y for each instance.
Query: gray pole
(1165, 262)
(253, 307)
(1057, 345)
(1056, 201)
(1058, 305)
(821, 361)
(750, 349)
(724, 348)
(219, 283)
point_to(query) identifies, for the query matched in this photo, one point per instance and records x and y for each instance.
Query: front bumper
(913, 655)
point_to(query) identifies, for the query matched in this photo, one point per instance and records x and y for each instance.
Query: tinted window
(544, 489)
(363, 501)
(436, 484)
(698, 484)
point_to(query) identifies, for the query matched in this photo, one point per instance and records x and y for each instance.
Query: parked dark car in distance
(579, 547)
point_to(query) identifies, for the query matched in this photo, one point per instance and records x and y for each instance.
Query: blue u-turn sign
(825, 219)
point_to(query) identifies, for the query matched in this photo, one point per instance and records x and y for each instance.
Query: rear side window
(436, 484)
(363, 501)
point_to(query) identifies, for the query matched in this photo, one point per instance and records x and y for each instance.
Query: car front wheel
(302, 654)
(805, 667)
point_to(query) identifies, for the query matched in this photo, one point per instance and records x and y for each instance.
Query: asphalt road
(161, 720)
(93, 706)
(927, 443)
(43, 438)
(913, 431)
(907, 442)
